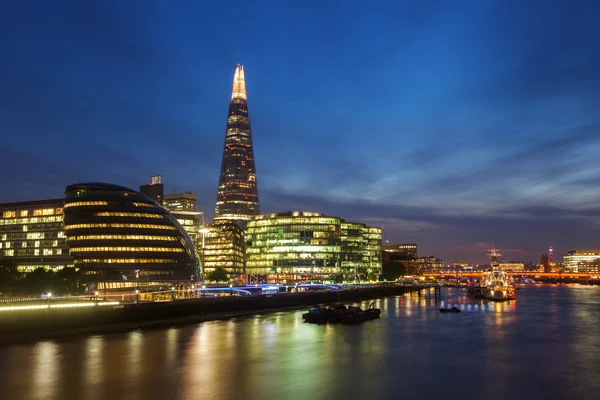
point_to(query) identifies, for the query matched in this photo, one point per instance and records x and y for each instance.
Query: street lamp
(49, 297)
(230, 289)
(96, 298)
(137, 296)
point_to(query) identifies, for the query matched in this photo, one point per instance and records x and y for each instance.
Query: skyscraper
(237, 197)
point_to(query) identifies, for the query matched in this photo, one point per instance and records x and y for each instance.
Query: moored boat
(450, 310)
(498, 286)
(324, 314)
(356, 314)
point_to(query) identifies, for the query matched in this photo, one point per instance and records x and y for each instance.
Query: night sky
(452, 124)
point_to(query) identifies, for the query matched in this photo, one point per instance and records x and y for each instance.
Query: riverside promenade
(51, 323)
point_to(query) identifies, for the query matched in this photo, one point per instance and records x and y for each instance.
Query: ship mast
(495, 256)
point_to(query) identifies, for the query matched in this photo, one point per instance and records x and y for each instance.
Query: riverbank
(31, 325)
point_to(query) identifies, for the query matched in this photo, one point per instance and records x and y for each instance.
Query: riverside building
(121, 238)
(32, 235)
(224, 248)
(582, 260)
(301, 246)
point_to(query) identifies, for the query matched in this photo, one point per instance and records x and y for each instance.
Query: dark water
(545, 345)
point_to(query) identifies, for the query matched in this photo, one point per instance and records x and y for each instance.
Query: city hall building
(121, 238)
(301, 246)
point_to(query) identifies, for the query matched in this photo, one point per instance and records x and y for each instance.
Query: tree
(218, 275)
(393, 270)
(9, 275)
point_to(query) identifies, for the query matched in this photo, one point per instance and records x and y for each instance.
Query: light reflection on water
(544, 345)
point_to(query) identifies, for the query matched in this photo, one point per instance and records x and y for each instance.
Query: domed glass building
(122, 238)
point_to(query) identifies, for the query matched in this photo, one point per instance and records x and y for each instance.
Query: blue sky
(451, 124)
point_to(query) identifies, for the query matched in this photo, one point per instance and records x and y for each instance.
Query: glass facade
(32, 235)
(237, 196)
(180, 201)
(118, 235)
(224, 247)
(297, 246)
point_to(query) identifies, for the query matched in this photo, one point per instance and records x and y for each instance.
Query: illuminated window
(122, 237)
(86, 204)
(135, 226)
(128, 214)
(144, 205)
(23, 213)
(148, 249)
(9, 214)
(9, 253)
(44, 211)
(126, 261)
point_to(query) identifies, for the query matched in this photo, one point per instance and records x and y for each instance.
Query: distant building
(512, 266)
(299, 246)
(122, 239)
(584, 258)
(155, 189)
(430, 264)
(32, 235)
(408, 249)
(224, 247)
(180, 201)
(464, 266)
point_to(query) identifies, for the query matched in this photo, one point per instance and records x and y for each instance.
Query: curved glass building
(123, 238)
(297, 246)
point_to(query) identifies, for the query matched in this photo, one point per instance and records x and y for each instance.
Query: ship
(497, 285)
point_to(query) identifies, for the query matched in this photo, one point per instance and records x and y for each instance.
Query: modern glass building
(180, 201)
(32, 235)
(237, 196)
(297, 246)
(122, 238)
(224, 247)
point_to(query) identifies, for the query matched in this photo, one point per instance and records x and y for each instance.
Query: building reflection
(46, 369)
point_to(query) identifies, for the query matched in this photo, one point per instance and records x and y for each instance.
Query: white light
(97, 293)
(137, 292)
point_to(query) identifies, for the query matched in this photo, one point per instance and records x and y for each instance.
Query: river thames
(544, 345)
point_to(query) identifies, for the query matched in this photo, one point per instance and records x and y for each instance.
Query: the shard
(237, 197)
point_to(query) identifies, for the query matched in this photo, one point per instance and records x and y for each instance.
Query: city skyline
(445, 130)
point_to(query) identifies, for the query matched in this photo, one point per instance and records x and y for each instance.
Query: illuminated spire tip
(239, 84)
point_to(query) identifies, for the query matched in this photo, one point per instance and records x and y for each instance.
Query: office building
(32, 235)
(224, 247)
(300, 246)
(155, 189)
(237, 196)
(407, 249)
(180, 201)
(430, 264)
(580, 258)
(121, 238)
(400, 259)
